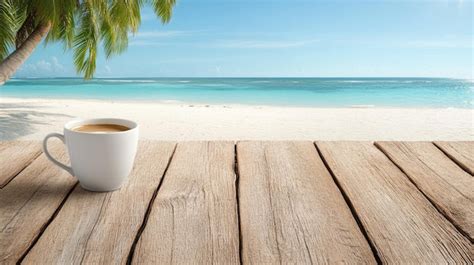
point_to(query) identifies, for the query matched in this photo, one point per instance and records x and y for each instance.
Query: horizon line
(237, 77)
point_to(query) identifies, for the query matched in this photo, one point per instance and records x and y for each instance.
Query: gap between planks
(195, 211)
(293, 212)
(19, 171)
(459, 157)
(47, 224)
(360, 156)
(426, 176)
(149, 167)
(13, 161)
(148, 210)
(350, 205)
(237, 199)
(37, 191)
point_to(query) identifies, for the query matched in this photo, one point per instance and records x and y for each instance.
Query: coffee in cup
(100, 128)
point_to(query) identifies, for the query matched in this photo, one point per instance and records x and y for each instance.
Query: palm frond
(126, 14)
(164, 9)
(8, 27)
(115, 39)
(63, 23)
(86, 40)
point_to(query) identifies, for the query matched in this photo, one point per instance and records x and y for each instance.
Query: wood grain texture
(460, 152)
(15, 156)
(100, 228)
(402, 224)
(194, 216)
(291, 210)
(28, 202)
(448, 187)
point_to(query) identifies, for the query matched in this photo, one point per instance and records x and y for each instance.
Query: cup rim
(118, 121)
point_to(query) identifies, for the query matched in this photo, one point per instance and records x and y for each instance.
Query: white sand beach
(34, 118)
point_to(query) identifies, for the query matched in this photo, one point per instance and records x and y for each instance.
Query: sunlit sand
(34, 118)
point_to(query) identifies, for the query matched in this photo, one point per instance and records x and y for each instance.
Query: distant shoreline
(201, 104)
(243, 77)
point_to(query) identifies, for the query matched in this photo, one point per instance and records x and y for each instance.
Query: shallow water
(305, 92)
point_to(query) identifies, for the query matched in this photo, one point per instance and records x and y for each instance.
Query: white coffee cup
(100, 161)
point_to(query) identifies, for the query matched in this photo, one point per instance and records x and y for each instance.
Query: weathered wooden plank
(194, 217)
(402, 224)
(291, 210)
(15, 156)
(100, 228)
(460, 152)
(28, 202)
(448, 187)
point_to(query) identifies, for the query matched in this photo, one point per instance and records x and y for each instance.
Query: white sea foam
(171, 101)
(362, 106)
(184, 81)
(217, 85)
(127, 81)
(354, 81)
(367, 81)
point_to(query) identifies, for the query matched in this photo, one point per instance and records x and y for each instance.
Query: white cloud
(147, 43)
(57, 66)
(159, 34)
(107, 69)
(259, 44)
(148, 16)
(155, 38)
(436, 44)
(448, 42)
(231, 44)
(42, 68)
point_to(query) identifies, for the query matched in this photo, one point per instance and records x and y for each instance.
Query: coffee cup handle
(46, 152)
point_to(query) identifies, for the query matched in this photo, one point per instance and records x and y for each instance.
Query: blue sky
(288, 38)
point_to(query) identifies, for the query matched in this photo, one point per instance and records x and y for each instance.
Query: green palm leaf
(164, 9)
(85, 42)
(8, 26)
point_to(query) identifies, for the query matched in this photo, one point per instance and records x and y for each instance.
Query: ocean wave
(260, 82)
(384, 81)
(353, 81)
(184, 81)
(367, 81)
(217, 85)
(127, 81)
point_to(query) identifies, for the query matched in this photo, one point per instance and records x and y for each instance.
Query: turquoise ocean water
(307, 92)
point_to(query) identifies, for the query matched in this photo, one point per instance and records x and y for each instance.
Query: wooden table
(245, 202)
